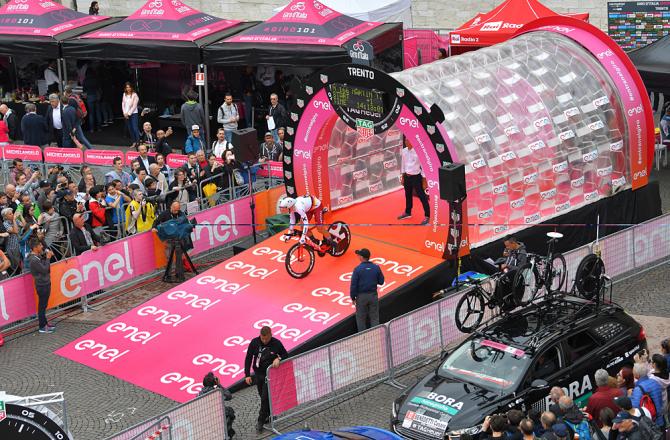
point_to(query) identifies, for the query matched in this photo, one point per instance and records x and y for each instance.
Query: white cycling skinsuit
(306, 207)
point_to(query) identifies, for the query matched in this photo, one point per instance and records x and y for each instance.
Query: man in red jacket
(603, 397)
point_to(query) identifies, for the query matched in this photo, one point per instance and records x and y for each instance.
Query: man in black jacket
(12, 122)
(262, 352)
(40, 268)
(33, 127)
(54, 120)
(174, 213)
(82, 236)
(279, 116)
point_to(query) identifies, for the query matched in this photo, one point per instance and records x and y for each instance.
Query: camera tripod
(174, 243)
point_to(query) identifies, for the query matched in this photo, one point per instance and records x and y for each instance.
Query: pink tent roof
(164, 20)
(41, 18)
(306, 22)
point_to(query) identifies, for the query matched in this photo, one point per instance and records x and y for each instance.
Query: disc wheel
(589, 275)
(341, 236)
(525, 284)
(299, 260)
(559, 273)
(469, 311)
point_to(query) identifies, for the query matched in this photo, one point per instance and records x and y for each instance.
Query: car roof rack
(571, 309)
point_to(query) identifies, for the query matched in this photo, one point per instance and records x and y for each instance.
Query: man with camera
(40, 268)
(176, 245)
(82, 237)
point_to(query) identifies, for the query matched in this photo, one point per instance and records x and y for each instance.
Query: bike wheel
(525, 285)
(341, 236)
(469, 311)
(299, 261)
(588, 278)
(558, 274)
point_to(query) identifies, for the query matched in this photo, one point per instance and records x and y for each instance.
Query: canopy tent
(500, 24)
(654, 65)
(303, 33)
(162, 31)
(388, 11)
(35, 28)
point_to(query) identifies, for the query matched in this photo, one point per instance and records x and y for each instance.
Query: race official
(40, 269)
(363, 291)
(263, 352)
(414, 181)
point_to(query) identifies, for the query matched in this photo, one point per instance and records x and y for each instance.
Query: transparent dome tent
(538, 123)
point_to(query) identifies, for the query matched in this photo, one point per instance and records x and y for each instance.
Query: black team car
(513, 362)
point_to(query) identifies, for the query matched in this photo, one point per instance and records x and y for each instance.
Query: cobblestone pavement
(99, 405)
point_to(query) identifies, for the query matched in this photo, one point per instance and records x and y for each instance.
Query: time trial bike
(300, 257)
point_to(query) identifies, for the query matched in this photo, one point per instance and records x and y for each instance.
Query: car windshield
(487, 364)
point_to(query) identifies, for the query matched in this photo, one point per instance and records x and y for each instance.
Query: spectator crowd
(631, 406)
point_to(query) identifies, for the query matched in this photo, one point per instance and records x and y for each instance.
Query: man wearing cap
(43, 193)
(194, 142)
(364, 281)
(626, 421)
(561, 431)
(270, 150)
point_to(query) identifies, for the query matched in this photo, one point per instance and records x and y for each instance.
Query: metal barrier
(203, 418)
(309, 380)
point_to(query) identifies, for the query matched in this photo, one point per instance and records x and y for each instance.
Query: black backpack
(649, 430)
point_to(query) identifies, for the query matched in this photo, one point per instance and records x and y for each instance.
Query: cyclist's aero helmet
(287, 202)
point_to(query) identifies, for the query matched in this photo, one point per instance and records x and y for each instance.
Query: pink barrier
(25, 152)
(176, 160)
(63, 155)
(102, 157)
(274, 169)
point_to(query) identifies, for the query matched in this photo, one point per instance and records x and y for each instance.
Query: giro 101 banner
(42, 18)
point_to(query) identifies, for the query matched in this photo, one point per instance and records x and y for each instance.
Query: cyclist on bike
(305, 208)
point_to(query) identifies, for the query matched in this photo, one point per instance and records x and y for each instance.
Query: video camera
(176, 229)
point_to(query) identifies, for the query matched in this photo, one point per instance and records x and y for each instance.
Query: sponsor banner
(421, 334)
(63, 155)
(651, 242)
(221, 225)
(233, 301)
(109, 265)
(102, 157)
(318, 111)
(321, 178)
(176, 160)
(271, 168)
(25, 152)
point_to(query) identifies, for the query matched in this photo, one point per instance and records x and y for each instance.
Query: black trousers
(263, 392)
(43, 293)
(58, 134)
(414, 184)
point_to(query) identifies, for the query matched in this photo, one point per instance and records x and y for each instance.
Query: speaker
(452, 182)
(246, 145)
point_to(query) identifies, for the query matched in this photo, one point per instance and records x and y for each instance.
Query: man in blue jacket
(644, 384)
(33, 127)
(194, 142)
(363, 291)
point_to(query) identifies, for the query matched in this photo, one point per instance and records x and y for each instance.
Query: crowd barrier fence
(307, 381)
(203, 418)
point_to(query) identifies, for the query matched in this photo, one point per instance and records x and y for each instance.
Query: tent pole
(64, 73)
(60, 74)
(206, 107)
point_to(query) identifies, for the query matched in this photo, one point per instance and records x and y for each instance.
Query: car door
(583, 354)
(548, 365)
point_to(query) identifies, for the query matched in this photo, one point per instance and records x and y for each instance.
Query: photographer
(174, 213)
(40, 268)
(209, 383)
(140, 214)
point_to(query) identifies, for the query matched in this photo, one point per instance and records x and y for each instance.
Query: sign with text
(24, 152)
(63, 155)
(232, 301)
(102, 157)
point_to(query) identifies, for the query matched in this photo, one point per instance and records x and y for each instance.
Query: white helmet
(287, 202)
